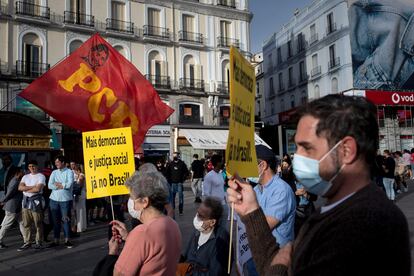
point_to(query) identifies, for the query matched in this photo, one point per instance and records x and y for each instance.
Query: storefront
(204, 142)
(395, 115)
(157, 143)
(24, 138)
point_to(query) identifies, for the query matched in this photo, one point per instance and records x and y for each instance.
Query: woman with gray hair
(152, 248)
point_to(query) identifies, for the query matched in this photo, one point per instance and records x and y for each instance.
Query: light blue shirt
(64, 176)
(278, 201)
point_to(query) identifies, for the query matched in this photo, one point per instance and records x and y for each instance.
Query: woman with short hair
(152, 248)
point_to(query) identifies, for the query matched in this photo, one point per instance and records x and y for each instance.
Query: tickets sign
(108, 161)
(240, 150)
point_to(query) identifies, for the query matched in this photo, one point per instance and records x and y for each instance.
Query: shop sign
(24, 142)
(390, 97)
(159, 131)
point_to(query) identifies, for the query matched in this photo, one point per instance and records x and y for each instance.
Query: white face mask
(256, 180)
(198, 224)
(306, 171)
(131, 210)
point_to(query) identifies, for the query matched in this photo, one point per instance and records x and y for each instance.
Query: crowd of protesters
(358, 231)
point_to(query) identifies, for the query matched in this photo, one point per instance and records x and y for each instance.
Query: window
(75, 44)
(118, 10)
(154, 18)
(271, 88)
(188, 23)
(282, 105)
(257, 89)
(224, 115)
(258, 109)
(316, 92)
(313, 34)
(304, 98)
(333, 60)
(334, 86)
(190, 113)
(272, 108)
(289, 45)
(290, 76)
(330, 22)
(281, 86)
(279, 55)
(78, 6)
(315, 60)
(292, 101)
(193, 78)
(157, 69)
(301, 42)
(270, 62)
(302, 71)
(31, 63)
(225, 29)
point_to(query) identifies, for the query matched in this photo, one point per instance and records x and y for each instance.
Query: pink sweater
(151, 249)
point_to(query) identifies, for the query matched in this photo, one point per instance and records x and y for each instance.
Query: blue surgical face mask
(306, 171)
(256, 180)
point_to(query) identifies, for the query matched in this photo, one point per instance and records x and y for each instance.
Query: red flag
(97, 88)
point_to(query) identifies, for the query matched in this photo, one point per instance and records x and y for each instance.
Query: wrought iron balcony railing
(223, 41)
(316, 71)
(119, 25)
(192, 84)
(223, 87)
(79, 19)
(162, 82)
(333, 63)
(30, 69)
(154, 31)
(227, 3)
(24, 8)
(190, 37)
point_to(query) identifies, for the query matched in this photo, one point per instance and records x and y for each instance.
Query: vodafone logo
(396, 98)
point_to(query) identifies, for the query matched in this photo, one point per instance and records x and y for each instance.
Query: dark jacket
(364, 235)
(13, 198)
(198, 168)
(176, 172)
(212, 257)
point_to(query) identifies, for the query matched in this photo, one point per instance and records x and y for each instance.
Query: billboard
(382, 43)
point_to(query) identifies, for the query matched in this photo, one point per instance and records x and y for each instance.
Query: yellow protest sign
(241, 152)
(109, 161)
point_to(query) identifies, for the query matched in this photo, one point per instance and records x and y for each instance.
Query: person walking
(33, 203)
(177, 173)
(389, 175)
(12, 205)
(60, 182)
(80, 201)
(197, 174)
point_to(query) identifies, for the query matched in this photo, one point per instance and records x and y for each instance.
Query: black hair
(32, 162)
(216, 209)
(215, 159)
(341, 116)
(195, 155)
(61, 158)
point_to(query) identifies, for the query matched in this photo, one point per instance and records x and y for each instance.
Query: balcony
(313, 39)
(227, 3)
(119, 26)
(159, 82)
(226, 42)
(27, 9)
(223, 87)
(331, 28)
(156, 32)
(79, 19)
(192, 84)
(334, 63)
(30, 69)
(316, 71)
(184, 36)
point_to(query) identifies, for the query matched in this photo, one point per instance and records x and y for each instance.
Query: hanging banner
(240, 151)
(108, 161)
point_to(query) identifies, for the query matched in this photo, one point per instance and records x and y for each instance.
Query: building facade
(309, 57)
(182, 47)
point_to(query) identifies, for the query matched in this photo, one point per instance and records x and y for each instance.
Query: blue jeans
(389, 187)
(177, 187)
(61, 211)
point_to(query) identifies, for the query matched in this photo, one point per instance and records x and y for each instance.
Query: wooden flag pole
(231, 236)
(112, 208)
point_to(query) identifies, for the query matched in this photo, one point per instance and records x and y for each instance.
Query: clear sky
(269, 16)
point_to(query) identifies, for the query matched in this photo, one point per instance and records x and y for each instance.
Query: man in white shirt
(32, 212)
(213, 185)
